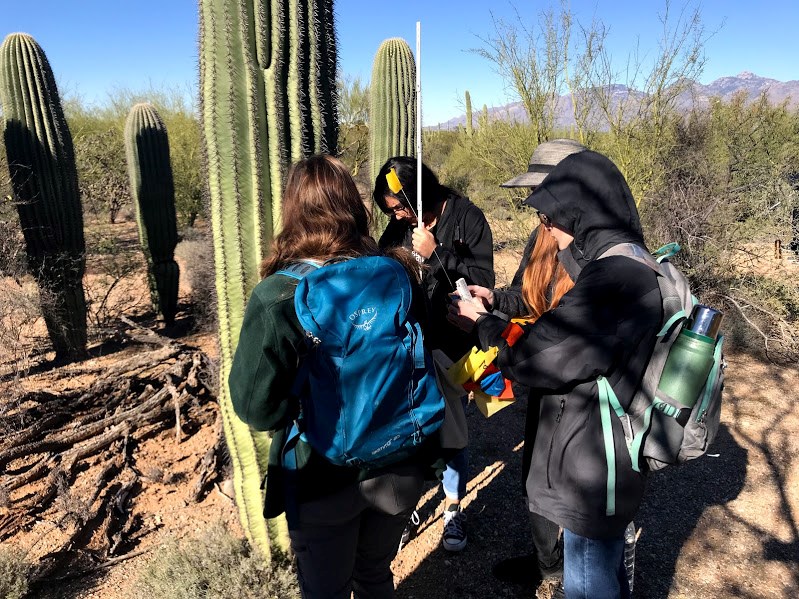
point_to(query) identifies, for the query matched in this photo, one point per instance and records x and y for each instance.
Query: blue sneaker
(454, 538)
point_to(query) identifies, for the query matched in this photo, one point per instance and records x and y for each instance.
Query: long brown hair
(323, 217)
(545, 280)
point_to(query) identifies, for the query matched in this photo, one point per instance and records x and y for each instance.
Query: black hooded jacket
(606, 325)
(465, 249)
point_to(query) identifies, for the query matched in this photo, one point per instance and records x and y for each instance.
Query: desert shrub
(115, 280)
(22, 330)
(727, 195)
(196, 256)
(214, 565)
(14, 573)
(100, 153)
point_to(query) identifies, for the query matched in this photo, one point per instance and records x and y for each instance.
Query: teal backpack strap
(608, 400)
(667, 251)
(711, 378)
(676, 317)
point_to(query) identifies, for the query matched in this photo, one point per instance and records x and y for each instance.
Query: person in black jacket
(454, 242)
(537, 286)
(605, 326)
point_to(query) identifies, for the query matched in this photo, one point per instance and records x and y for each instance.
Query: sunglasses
(398, 209)
(545, 220)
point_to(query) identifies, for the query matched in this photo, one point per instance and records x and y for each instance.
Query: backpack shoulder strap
(298, 270)
(635, 252)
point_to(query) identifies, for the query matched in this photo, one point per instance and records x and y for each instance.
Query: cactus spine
(392, 107)
(267, 86)
(469, 123)
(41, 163)
(150, 173)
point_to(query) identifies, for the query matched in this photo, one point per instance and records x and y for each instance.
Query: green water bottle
(691, 357)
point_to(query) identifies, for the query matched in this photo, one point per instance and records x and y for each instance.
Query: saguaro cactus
(153, 189)
(267, 81)
(392, 112)
(469, 123)
(41, 163)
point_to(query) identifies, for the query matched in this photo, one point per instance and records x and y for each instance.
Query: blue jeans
(594, 568)
(455, 476)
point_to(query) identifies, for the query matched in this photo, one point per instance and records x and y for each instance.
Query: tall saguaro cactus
(469, 123)
(153, 189)
(41, 163)
(392, 111)
(268, 90)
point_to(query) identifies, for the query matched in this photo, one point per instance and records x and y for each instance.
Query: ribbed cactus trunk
(392, 108)
(41, 163)
(153, 190)
(469, 123)
(267, 85)
(482, 120)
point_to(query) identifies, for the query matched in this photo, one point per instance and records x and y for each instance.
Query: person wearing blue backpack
(603, 331)
(455, 242)
(346, 482)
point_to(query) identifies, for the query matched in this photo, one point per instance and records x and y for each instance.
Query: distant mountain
(699, 95)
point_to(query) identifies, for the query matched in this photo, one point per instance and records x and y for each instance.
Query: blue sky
(95, 46)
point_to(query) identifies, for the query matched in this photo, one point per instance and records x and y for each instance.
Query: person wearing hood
(606, 325)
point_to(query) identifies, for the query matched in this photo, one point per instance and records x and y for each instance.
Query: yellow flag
(393, 181)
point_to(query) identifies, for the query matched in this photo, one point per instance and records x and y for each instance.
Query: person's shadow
(673, 504)
(495, 508)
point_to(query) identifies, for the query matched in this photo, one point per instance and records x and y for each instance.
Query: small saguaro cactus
(268, 92)
(41, 163)
(469, 123)
(153, 190)
(392, 111)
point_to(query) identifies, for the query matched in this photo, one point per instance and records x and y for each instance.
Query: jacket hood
(587, 195)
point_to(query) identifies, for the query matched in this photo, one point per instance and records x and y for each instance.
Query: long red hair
(545, 280)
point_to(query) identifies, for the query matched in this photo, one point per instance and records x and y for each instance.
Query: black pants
(344, 543)
(546, 534)
(548, 545)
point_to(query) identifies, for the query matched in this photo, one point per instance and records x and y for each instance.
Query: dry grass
(215, 564)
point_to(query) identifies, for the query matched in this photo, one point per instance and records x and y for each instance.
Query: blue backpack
(367, 386)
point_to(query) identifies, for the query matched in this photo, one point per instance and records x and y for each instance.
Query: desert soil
(726, 525)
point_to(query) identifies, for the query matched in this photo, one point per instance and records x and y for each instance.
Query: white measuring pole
(419, 222)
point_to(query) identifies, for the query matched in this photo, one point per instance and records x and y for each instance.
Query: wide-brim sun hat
(543, 160)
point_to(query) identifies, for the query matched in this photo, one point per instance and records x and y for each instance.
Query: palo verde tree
(41, 162)
(268, 93)
(353, 112)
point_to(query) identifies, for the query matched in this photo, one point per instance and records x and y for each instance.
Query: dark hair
(432, 191)
(323, 215)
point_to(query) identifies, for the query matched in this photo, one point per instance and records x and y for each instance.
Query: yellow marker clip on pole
(393, 181)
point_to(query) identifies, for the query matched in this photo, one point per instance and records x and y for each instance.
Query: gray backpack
(650, 425)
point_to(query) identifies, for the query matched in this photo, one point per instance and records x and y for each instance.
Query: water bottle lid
(704, 321)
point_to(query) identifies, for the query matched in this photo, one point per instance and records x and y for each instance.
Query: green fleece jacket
(263, 372)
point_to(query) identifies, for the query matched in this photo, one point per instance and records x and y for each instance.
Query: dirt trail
(726, 525)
